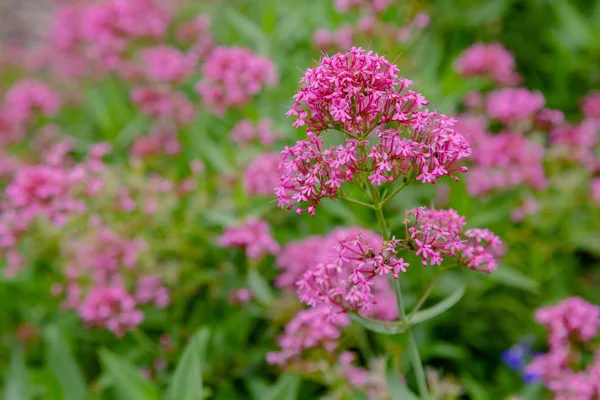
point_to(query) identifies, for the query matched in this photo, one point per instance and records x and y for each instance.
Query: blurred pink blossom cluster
(164, 104)
(338, 258)
(435, 234)
(590, 105)
(573, 331)
(162, 141)
(253, 236)
(359, 93)
(502, 161)
(514, 104)
(232, 76)
(247, 131)
(311, 328)
(102, 31)
(260, 176)
(374, 5)
(490, 60)
(166, 64)
(104, 281)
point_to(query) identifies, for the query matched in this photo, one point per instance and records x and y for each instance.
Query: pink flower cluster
(351, 276)
(26, 97)
(435, 234)
(489, 60)
(111, 25)
(196, 33)
(514, 104)
(590, 105)
(375, 5)
(312, 328)
(359, 94)
(595, 190)
(504, 161)
(166, 64)
(163, 141)
(260, 177)
(246, 131)
(232, 76)
(164, 103)
(42, 190)
(341, 38)
(253, 236)
(574, 329)
(110, 307)
(105, 284)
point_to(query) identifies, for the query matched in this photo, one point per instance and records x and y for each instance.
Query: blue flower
(516, 357)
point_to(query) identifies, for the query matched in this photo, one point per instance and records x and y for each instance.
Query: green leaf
(398, 389)
(248, 29)
(385, 327)
(16, 382)
(286, 388)
(395, 327)
(533, 392)
(513, 278)
(257, 387)
(63, 365)
(439, 308)
(186, 383)
(126, 378)
(259, 287)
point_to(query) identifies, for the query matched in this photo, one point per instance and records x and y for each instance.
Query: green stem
(350, 200)
(395, 192)
(412, 345)
(415, 358)
(424, 297)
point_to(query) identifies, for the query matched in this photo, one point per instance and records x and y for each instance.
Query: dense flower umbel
(232, 76)
(351, 276)
(574, 330)
(490, 60)
(360, 94)
(514, 104)
(590, 105)
(26, 97)
(253, 236)
(166, 64)
(261, 176)
(355, 92)
(311, 328)
(246, 131)
(436, 234)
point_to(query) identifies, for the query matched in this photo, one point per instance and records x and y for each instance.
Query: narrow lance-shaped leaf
(186, 383)
(395, 327)
(16, 383)
(63, 365)
(126, 378)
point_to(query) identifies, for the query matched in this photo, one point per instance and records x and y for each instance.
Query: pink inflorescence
(595, 190)
(261, 177)
(351, 275)
(435, 234)
(590, 105)
(489, 60)
(166, 64)
(253, 236)
(232, 76)
(26, 97)
(312, 328)
(514, 104)
(42, 190)
(375, 5)
(110, 307)
(574, 329)
(359, 93)
(246, 131)
(196, 33)
(164, 103)
(504, 161)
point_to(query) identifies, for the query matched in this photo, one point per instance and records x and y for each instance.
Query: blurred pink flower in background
(489, 60)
